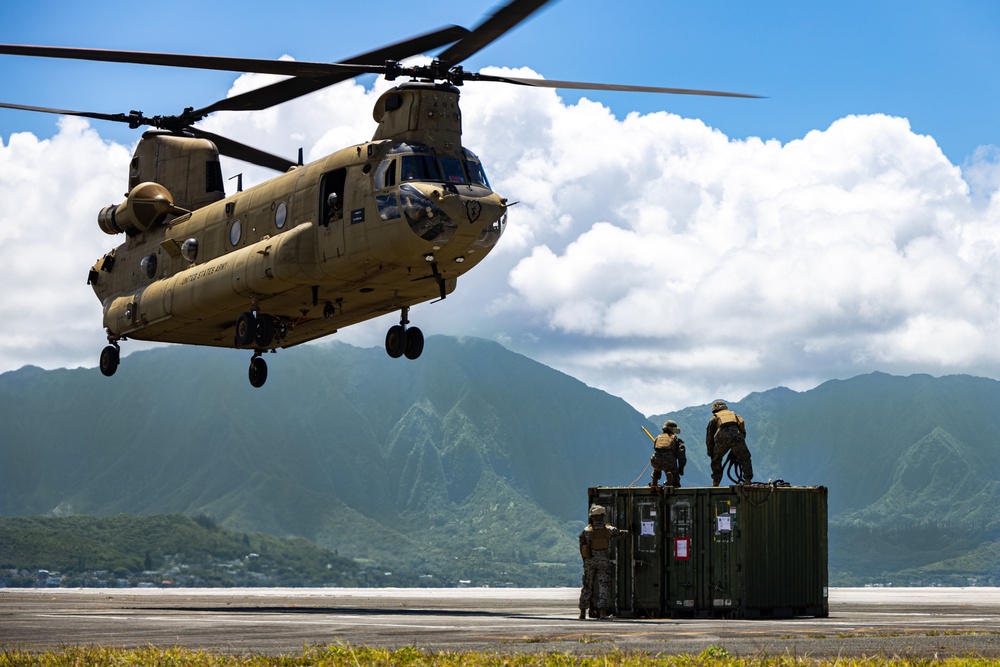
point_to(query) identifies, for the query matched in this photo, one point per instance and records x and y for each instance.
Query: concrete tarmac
(914, 622)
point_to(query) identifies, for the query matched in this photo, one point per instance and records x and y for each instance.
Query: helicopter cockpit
(415, 162)
(400, 183)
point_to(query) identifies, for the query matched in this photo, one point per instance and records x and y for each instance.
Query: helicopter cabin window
(235, 232)
(280, 215)
(148, 265)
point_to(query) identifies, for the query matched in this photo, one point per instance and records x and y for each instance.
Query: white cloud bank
(651, 256)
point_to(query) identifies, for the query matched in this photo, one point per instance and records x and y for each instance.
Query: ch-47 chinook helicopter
(371, 229)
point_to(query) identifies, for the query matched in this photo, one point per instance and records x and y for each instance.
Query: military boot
(583, 614)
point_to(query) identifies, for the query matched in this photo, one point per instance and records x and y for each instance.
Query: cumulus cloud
(712, 262)
(651, 256)
(52, 191)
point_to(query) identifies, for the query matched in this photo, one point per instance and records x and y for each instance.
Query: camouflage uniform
(669, 455)
(595, 547)
(726, 432)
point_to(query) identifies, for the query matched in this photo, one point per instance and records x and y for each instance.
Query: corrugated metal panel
(727, 551)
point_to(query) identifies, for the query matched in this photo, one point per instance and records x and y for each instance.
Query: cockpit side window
(476, 173)
(385, 175)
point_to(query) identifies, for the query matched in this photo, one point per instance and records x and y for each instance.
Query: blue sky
(669, 249)
(930, 62)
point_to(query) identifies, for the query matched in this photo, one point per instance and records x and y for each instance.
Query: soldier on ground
(726, 432)
(595, 547)
(669, 455)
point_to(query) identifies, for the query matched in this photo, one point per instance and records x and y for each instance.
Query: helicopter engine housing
(147, 205)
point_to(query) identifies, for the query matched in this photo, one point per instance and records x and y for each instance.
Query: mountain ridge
(476, 458)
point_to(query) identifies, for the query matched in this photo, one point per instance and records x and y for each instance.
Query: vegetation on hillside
(172, 550)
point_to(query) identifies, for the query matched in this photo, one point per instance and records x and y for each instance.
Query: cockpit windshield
(418, 163)
(420, 168)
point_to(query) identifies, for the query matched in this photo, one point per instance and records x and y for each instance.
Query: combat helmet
(670, 426)
(719, 405)
(596, 510)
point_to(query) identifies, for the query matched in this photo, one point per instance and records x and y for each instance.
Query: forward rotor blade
(259, 65)
(489, 30)
(289, 89)
(580, 85)
(235, 149)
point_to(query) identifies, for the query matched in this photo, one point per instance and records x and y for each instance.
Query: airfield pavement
(912, 622)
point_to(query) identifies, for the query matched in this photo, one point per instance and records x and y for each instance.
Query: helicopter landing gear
(110, 357)
(257, 330)
(414, 343)
(400, 341)
(246, 329)
(264, 333)
(258, 370)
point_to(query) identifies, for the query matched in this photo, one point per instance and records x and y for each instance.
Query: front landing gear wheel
(414, 343)
(258, 372)
(395, 341)
(109, 360)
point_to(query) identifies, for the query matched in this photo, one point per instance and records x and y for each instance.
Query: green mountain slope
(472, 450)
(473, 462)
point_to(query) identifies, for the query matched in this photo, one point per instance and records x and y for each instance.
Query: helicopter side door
(331, 214)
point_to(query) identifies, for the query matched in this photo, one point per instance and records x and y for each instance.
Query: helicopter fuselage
(371, 229)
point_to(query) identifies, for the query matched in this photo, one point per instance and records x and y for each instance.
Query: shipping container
(743, 551)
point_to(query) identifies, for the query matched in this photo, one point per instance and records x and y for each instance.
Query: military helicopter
(371, 229)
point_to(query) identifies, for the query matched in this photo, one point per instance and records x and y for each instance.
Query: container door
(647, 566)
(681, 560)
(723, 588)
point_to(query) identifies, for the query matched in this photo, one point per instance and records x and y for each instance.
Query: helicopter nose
(458, 215)
(479, 210)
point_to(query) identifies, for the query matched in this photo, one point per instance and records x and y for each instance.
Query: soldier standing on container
(726, 432)
(669, 455)
(595, 547)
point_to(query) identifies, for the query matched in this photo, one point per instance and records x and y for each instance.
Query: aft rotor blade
(235, 149)
(116, 117)
(492, 28)
(580, 85)
(289, 89)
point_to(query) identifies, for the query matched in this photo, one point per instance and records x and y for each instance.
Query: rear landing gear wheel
(258, 372)
(246, 329)
(414, 343)
(110, 358)
(264, 335)
(395, 341)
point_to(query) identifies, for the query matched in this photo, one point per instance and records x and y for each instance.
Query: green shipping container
(737, 551)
